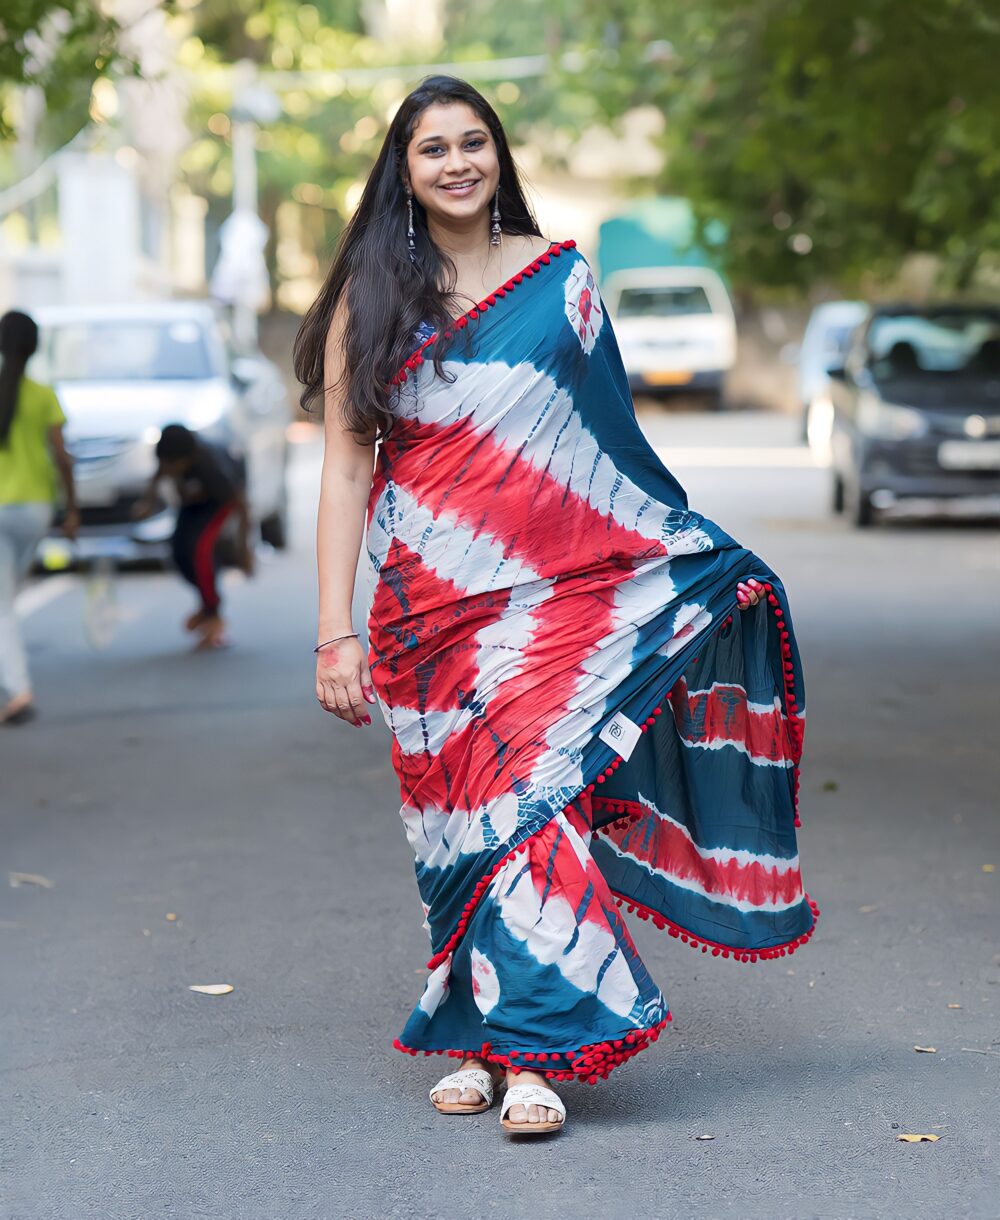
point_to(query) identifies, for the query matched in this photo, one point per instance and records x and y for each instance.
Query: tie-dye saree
(583, 720)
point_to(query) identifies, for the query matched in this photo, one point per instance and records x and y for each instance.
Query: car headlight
(886, 421)
(206, 407)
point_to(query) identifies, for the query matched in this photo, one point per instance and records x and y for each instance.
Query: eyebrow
(473, 131)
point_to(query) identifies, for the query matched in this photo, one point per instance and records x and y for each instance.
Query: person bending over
(210, 487)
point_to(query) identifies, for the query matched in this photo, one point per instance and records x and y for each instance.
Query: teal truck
(669, 304)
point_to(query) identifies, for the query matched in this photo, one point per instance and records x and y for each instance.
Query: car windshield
(660, 302)
(836, 336)
(955, 344)
(125, 350)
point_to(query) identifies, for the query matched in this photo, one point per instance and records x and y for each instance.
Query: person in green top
(32, 454)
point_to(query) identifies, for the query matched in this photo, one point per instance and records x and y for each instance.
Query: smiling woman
(582, 717)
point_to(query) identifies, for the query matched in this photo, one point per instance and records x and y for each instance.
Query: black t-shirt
(214, 476)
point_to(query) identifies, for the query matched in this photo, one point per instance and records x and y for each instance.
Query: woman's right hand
(71, 523)
(343, 681)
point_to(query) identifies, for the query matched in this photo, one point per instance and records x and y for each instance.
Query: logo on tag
(621, 734)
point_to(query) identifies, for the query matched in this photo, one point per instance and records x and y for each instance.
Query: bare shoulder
(526, 247)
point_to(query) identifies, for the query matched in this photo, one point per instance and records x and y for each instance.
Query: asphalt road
(199, 820)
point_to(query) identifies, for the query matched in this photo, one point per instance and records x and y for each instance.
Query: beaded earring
(495, 227)
(409, 226)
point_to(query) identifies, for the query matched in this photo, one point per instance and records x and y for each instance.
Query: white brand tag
(621, 734)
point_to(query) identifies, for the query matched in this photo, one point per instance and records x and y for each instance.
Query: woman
(31, 452)
(552, 636)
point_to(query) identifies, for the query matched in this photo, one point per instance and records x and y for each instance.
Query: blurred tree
(61, 46)
(833, 139)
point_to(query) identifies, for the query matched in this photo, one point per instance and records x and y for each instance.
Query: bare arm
(64, 465)
(343, 683)
(146, 503)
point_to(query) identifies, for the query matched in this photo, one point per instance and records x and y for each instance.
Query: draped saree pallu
(582, 717)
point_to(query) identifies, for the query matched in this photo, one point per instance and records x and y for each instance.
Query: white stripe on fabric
(518, 404)
(547, 931)
(474, 563)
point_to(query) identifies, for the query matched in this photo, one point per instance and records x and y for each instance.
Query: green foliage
(60, 45)
(832, 139)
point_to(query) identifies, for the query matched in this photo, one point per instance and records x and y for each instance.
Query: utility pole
(240, 276)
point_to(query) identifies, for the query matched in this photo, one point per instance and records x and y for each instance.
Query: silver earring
(495, 227)
(409, 226)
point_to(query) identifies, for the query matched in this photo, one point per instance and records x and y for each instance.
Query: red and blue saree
(582, 717)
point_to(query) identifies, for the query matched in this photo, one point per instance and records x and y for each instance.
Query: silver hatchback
(122, 373)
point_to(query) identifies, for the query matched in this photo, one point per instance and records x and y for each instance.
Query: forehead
(450, 121)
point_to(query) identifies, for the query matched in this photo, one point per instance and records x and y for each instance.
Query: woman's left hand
(749, 593)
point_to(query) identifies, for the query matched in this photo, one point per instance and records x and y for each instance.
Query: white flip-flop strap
(471, 1078)
(532, 1095)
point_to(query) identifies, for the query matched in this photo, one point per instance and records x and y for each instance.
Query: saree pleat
(582, 718)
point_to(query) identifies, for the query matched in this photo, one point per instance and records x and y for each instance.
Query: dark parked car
(917, 408)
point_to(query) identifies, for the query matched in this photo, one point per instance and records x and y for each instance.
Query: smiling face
(452, 165)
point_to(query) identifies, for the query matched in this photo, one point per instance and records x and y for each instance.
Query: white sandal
(469, 1078)
(532, 1094)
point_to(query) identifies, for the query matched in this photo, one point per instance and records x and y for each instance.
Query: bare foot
(466, 1097)
(532, 1113)
(213, 633)
(18, 710)
(194, 621)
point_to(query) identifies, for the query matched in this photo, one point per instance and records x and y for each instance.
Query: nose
(456, 161)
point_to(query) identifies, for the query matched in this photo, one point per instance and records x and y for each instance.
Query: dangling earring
(409, 226)
(495, 227)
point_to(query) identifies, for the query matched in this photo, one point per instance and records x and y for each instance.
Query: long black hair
(388, 296)
(18, 343)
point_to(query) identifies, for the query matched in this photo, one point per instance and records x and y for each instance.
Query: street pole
(244, 153)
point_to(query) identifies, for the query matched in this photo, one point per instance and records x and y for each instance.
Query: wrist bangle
(351, 635)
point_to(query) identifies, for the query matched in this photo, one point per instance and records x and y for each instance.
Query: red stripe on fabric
(204, 567)
(557, 871)
(413, 611)
(662, 845)
(723, 715)
(491, 759)
(491, 489)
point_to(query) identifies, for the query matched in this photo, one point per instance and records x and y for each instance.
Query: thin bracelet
(351, 635)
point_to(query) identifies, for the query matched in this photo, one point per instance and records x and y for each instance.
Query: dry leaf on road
(954, 1005)
(18, 879)
(919, 1139)
(926, 1050)
(211, 988)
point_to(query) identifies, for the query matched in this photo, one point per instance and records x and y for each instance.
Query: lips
(461, 189)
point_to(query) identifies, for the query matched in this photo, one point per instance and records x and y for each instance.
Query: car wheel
(837, 499)
(859, 506)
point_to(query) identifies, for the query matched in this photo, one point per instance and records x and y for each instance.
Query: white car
(122, 373)
(676, 328)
